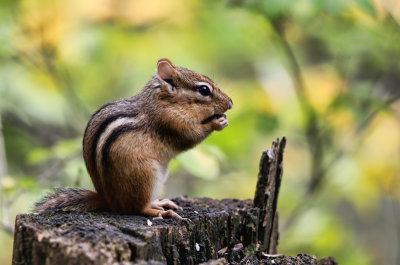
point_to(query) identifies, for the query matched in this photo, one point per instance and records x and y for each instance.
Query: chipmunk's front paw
(220, 123)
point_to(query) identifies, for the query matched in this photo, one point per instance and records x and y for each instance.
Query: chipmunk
(128, 143)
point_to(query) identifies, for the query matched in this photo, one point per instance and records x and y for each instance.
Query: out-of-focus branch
(44, 59)
(7, 228)
(338, 154)
(56, 167)
(312, 130)
(294, 67)
(62, 80)
(396, 212)
(3, 160)
(311, 123)
(44, 134)
(5, 221)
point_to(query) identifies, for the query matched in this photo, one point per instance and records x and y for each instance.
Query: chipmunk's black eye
(204, 90)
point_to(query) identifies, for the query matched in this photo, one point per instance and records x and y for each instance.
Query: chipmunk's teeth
(214, 117)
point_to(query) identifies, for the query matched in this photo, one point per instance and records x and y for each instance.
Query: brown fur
(128, 143)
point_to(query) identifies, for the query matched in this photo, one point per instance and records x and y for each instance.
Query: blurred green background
(325, 74)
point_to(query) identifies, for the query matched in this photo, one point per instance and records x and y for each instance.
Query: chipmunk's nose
(230, 103)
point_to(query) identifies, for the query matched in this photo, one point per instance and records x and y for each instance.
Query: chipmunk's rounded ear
(165, 68)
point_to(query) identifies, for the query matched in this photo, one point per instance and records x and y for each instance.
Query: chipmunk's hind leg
(159, 205)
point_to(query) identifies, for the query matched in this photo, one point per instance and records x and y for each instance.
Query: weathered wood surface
(266, 195)
(215, 232)
(260, 259)
(100, 238)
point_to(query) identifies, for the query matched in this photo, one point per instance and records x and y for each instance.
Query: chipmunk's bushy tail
(69, 199)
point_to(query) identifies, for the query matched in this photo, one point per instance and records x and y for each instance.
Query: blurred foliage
(325, 74)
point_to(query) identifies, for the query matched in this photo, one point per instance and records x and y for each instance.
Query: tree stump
(214, 231)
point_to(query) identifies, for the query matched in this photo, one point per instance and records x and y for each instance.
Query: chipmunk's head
(190, 99)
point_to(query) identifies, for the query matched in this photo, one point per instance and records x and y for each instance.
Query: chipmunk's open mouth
(213, 117)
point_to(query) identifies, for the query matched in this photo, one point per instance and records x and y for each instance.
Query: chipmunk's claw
(168, 214)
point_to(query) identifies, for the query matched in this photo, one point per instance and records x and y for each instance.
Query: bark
(228, 231)
(261, 259)
(101, 238)
(266, 195)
